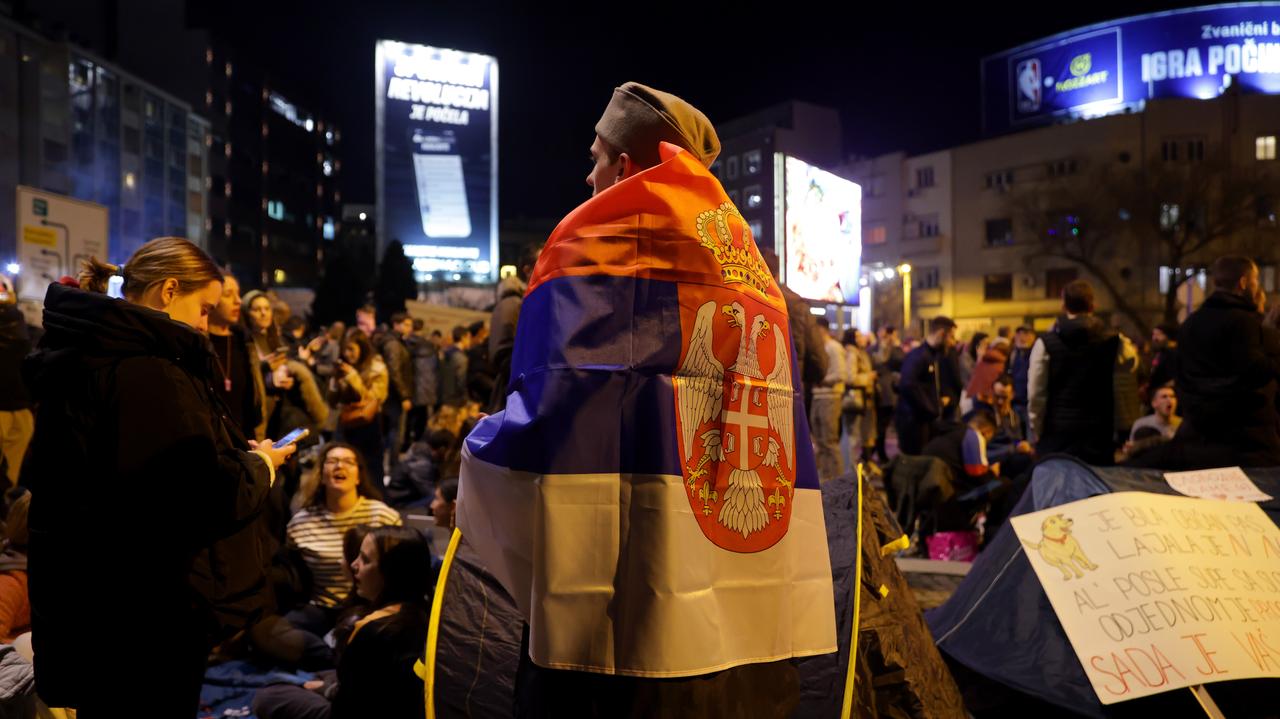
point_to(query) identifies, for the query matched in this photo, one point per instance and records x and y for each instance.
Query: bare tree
(1178, 215)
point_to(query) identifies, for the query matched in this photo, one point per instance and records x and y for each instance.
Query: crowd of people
(148, 422)
(1196, 396)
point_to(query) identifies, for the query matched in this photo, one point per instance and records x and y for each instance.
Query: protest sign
(1158, 592)
(1228, 483)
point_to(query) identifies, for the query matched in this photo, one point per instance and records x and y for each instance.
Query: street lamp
(904, 271)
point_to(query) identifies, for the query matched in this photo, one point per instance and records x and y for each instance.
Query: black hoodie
(138, 480)
(1080, 413)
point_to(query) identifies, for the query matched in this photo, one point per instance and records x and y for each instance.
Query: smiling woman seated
(344, 496)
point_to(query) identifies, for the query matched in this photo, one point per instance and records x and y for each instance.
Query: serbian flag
(649, 497)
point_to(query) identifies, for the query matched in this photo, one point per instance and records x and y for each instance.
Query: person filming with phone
(134, 451)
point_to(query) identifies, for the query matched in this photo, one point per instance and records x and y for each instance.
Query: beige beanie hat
(639, 117)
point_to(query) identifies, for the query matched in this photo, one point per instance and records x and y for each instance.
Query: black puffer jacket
(137, 480)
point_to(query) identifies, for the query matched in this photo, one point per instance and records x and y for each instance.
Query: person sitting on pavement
(342, 494)
(445, 505)
(413, 481)
(375, 674)
(15, 605)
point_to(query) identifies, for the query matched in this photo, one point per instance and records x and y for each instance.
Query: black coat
(137, 478)
(920, 387)
(14, 345)
(1228, 368)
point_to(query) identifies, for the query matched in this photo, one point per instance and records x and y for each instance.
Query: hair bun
(95, 274)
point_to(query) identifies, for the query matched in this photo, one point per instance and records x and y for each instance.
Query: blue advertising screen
(437, 178)
(1119, 65)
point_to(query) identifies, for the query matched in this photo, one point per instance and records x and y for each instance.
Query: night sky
(904, 76)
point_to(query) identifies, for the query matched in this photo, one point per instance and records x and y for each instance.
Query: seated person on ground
(1011, 435)
(375, 675)
(1158, 427)
(15, 607)
(414, 478)
(341, 497)
(445, 506)
(964, 450)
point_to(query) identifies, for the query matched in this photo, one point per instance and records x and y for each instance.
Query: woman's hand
(277, 456)
(281, 378)
(315, 685)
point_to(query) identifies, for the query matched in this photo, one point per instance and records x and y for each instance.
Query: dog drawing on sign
(1061, 550)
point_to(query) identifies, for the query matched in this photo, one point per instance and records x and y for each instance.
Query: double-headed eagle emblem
(739, 417)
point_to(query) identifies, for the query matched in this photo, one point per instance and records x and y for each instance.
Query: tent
(1000, 625)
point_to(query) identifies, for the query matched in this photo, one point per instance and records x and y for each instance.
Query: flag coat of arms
(649, 496)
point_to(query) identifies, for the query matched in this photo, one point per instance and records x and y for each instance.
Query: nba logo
(1028, 79)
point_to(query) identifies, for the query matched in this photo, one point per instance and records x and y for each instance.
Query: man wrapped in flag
(649, 497)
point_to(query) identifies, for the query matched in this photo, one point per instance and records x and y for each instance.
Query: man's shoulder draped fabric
(649, 496)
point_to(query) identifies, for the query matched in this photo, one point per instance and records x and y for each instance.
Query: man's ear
(625, 166)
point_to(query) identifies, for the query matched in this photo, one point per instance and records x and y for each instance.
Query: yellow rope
(427, 670)
(846, 710)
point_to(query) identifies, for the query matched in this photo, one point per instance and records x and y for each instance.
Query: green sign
(39, 207)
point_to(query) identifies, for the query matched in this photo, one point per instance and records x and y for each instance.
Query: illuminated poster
(822, 245)
(1117, 66)
(437, 155)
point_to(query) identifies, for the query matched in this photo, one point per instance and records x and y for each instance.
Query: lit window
(327, 168)
(208, 55)
(1169, 216)
(226, 107)
(228, 68)
(328, 230)
(876, 235)
(275, 209)
(751, 163)
(1265, 147)
(753, 196)
(130, 181)
(328, 136)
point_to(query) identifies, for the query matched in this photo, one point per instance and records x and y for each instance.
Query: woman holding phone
(133, 451)
(293, 398)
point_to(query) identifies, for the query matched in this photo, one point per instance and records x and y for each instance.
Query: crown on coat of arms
(733, 247)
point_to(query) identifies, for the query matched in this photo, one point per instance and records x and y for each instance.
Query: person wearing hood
(1071, 382)
(16, 420)
(293, 398)
(129, 425)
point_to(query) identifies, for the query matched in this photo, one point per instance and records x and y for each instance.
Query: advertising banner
(822, 240)
(1157, 592)
(1110, 67)
(437, 158)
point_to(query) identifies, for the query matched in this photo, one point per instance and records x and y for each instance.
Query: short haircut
(1077, 297)
(459, 332)
(981, 418)
(368, 310)
(850, 337)
(1229, 270)
(437, 333)
(440, 439)
(1170, 329)
(418, 324)
(941, 323)
(824, 323)
(1023, 329)
(293, 323)
(399, 317)
(1167, 385)
(1005, 379)
(476, 327)
(890, 330)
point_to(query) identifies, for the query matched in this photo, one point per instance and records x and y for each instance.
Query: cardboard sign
(1228, 483)
(1158, 592)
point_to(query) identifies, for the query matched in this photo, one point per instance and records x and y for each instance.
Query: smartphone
(290, 438)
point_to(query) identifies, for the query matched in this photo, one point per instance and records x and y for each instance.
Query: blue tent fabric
(229, 687)
(999, 622)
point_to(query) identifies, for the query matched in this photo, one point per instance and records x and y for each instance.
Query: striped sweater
(317, 534)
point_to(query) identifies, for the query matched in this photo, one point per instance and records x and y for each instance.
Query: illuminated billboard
(437, 158)
(1117, 66)
(821, 231)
